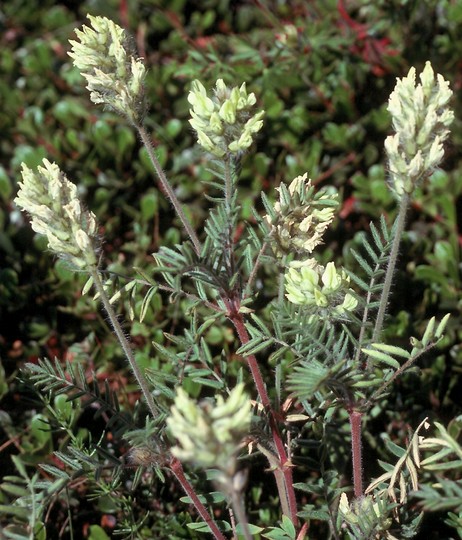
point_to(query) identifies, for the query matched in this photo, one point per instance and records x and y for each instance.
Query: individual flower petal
(330, 278)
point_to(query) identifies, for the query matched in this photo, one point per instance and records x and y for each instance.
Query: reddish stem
(177, 470)
(238, 320)
(356, 451)
(303, 531)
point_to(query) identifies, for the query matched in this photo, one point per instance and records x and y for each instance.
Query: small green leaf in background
(70, 112)
(102, 130)
(97, 533)
(3, 383)
(40, 429)
(173, 127)
(40, 532)
(149, 205)
(64, 407)
(125, 140)
(32, 156)
(5, 184)
(285, 532)
(254, 529)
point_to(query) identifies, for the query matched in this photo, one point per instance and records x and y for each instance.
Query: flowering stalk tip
(115, 77)
(51, 201)
(301, 216)
(224, 123)
(421, 117)
(210, 434)
(325, 289)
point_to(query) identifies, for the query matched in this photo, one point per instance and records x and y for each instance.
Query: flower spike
(56, 212)
(223, 123)
(421, 117)
(115, 77)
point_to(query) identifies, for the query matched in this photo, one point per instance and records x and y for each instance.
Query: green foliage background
(323, 71)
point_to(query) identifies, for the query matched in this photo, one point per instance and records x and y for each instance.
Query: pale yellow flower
(300, 218)
(210, 434)
(224, 123)
(421, 117)
(51, 201)
(115, 77)
(324, 289)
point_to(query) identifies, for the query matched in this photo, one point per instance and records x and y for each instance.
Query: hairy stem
(281, 279)
(286, 490)
(228, 184)
(356, 451)
(281, 466)
(274, 462)
(228, 239)
(362, 331)
(168, 189)
(123, 341)
(399, 228)
(177, 470)
(238, 321)
(238, 507)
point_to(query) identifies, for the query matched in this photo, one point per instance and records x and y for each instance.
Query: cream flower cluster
(223, 123)
(421, 117)
(301, 216)
(115, 77)
(324, 288)
(209, 434)
(375, 510)
(56, 212)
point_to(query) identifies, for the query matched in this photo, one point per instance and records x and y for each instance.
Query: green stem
(275, 466)
(228, 242)
(168, 189)
(362, 332)
(399, 228)
(228, 184)
(123, 341)
(281, 279)
(241, 516)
